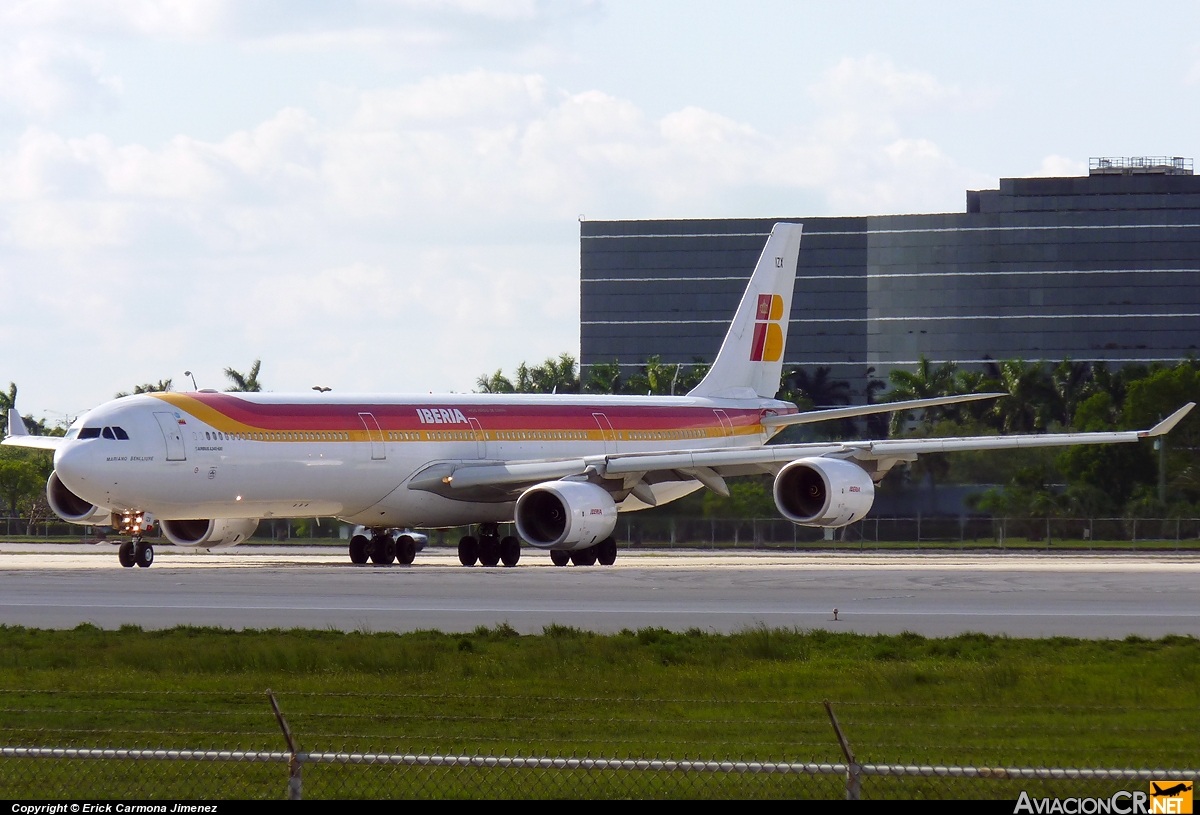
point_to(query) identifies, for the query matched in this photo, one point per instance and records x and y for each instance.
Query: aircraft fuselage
(223, 455)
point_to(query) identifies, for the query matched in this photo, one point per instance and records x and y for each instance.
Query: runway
(1111, 596)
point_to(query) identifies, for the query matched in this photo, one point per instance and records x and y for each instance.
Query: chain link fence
(636, 530)
(964, 532)
(503, 754)
(196, 774)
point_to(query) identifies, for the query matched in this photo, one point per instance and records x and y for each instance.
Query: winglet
(1168, 424)
(16, 426)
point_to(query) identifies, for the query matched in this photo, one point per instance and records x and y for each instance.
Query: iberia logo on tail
(768, 336)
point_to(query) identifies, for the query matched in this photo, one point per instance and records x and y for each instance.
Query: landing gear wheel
(606, 552)
(489, 550)
(560, 557)
(143, 553)
(468, 551)
(406, 550)
(510, 551)
(383, 550)
(126, 556)
(584, 557)
(358, 549)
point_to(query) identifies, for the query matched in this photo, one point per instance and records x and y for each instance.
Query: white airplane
(208, 466)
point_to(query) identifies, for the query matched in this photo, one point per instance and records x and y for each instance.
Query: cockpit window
(73, 432)
(89, 433)
(108, 434)
(120, 434)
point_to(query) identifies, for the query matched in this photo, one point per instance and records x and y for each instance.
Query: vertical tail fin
(751, 358)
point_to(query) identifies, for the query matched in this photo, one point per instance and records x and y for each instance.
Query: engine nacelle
(70, 507)
(565, 515)
(211, 534)
(823, 492)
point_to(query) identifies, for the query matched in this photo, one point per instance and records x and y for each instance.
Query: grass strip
(754, 695)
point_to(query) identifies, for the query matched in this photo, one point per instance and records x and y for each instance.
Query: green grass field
(757, 694)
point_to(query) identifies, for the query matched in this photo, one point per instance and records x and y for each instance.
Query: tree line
(1127, 479)
(561, 375)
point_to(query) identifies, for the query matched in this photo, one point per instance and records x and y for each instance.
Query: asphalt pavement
(1111, 595)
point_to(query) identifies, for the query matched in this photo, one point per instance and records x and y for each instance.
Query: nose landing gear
(135, 551)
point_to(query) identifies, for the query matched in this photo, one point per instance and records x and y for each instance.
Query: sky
(385, 195)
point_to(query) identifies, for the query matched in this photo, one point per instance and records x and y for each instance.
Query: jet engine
(823, 492)
(565, 515)
(70, 507)
(211, 534)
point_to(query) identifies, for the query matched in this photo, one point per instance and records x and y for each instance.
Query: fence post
(853, 777)
(295, 763)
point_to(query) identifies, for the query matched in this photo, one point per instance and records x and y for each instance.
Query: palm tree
(655, 377)
(604, 377)
(8, 401)
(161, 386)
(877, 423)
(927, 382)
(1073, 383)
(245, 383)
(555, 375)
(695, 374)
(496, 383)
(1029, 406)
(818, 388)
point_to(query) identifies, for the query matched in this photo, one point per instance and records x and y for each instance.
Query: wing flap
(811, 416)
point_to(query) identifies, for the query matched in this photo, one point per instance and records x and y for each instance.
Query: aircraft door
(726, 424)
(169, 426)
(375, 434)
(480, 438)
(606, 432)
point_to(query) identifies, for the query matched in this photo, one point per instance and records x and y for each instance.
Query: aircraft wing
(498, 480)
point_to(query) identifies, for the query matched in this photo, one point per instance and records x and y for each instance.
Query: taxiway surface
(1111, 596)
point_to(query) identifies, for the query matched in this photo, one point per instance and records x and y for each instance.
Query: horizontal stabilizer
(18, 435)
(34, 442)
(866, 410)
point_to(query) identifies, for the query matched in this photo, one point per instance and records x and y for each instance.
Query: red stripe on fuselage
(335, 416)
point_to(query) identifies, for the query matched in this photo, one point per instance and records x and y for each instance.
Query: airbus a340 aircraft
(209, 466)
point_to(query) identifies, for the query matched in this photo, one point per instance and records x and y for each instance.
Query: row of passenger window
(654, 435)
(272, 436)
(541, 435)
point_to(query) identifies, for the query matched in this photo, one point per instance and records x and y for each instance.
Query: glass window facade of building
(1100, 267)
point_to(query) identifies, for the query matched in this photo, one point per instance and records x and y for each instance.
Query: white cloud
(416, 236)
(300, 25)
(1056, 166)
(40, 77)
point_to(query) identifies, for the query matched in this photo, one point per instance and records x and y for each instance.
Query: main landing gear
(489, 549)
(604, 553)
(382, 549)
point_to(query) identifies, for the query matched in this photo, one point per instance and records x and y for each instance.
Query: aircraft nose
(73, 463)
